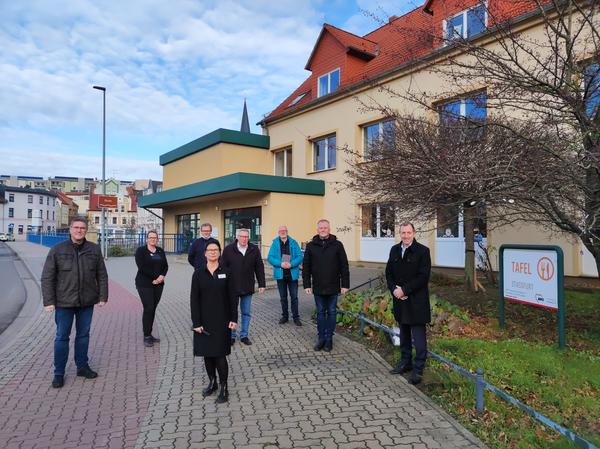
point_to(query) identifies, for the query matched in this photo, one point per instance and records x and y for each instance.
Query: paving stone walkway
(282, 393)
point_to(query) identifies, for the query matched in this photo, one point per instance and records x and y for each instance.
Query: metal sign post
(533, 274)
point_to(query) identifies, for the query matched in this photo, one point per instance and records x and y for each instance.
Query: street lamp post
(103, 242)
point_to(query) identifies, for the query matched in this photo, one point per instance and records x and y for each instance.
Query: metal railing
(117, 245)
(480, 384)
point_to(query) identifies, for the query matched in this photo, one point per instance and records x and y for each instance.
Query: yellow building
(291, 174)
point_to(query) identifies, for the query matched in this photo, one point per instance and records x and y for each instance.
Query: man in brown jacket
(74, 279)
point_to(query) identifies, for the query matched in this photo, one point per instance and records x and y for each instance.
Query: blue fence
(125, 245)
(480, 384)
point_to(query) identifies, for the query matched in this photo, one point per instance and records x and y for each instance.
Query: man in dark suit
(407, 273)
(196, 256)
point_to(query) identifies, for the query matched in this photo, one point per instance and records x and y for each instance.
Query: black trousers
(409, 335)
(214, 364)
(150, 297)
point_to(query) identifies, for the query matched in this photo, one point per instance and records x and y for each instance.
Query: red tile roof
(396, 43)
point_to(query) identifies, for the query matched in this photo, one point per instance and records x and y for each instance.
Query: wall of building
(346, 116)
(218, 160)
(21, 223)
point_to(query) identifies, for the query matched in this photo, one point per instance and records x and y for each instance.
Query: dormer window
(329, 82)
(466, 24)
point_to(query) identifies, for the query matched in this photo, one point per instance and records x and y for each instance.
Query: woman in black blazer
(213, 303)
(150, 281)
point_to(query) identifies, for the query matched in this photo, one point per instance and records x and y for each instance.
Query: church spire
(245, 128)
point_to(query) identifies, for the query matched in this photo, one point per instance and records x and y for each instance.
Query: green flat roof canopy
(235, 181)
(220, 135)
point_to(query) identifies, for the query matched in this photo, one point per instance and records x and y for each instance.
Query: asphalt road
(12, 289)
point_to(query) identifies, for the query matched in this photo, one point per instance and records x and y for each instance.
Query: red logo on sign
(545, 269)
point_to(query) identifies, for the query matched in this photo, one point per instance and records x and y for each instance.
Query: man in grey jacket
(74, 279)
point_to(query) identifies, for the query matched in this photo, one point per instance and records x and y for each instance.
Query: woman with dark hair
(150, 281)
(213, 303)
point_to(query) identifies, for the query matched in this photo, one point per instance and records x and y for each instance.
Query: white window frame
(314, 160)
(285, 161)
(463, 13)
(328, 75)
(378, 223)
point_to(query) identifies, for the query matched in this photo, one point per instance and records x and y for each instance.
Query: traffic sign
(107, 201)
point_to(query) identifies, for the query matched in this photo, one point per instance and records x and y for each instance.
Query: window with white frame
(30, 199)
(472, 108)
(329, 82)
(41, 199)
(96, 219)
(11, 212)
(11, 198)
(283, 162)
(377, 137)
(324, 153)
(30, 213)
(378, 221)
(467, 23)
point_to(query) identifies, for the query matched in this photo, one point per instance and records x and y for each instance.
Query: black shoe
(246, 341)
(328, 346)
(283, 320)
(416, 377)
(320, 344)
(148, 342)
(223, 394)
(87, 372)
(211, 387)
(58, 381)
(154, 339)
(297, 322)
(232, 341)
(402, 368)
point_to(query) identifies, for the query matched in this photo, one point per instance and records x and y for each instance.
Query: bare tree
(425, 168)
(540, 159)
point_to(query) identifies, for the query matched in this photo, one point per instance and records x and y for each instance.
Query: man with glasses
(245, 262)
(196, 256)
(74, 279)
(286, 256)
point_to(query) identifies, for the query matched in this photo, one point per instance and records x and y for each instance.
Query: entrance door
(246, 218)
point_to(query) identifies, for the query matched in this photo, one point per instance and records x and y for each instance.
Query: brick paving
(282, 393)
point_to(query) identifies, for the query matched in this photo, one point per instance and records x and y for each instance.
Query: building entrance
(246, 218)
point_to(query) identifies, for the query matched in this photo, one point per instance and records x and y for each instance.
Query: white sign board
(531, 276)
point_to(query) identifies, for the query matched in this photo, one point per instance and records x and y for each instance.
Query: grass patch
(523, 360)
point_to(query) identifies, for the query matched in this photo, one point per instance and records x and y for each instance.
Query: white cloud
(173, 70)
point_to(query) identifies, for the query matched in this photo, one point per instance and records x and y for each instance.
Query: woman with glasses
(213, 303)
(150, 281)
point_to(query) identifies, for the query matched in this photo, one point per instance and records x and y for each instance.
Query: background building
(26, 210)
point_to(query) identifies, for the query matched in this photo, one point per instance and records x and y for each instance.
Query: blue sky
(174, 71)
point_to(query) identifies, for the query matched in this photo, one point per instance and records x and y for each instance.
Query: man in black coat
(244, 261)
(407, 273)
(196, 256)
(74, 280)
(325, 273)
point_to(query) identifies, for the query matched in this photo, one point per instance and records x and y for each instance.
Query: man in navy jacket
(196, 256)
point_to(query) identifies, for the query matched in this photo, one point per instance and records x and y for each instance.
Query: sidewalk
(282, 393)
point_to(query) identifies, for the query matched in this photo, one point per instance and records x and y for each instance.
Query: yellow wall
(299, 213)
(345, 117)
(218, 160)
